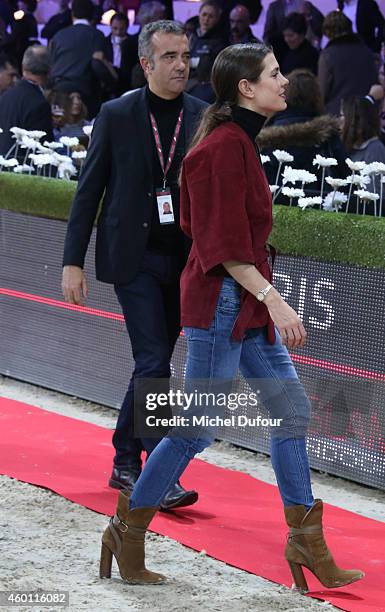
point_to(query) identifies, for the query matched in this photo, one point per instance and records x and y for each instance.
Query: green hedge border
(352, 239)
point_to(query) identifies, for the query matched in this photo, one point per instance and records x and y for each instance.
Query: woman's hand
(287, 321)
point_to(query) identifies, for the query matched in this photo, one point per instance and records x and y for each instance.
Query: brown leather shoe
(124, 538)
(306, 547)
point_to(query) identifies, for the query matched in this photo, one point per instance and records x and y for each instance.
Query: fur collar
(306, 134)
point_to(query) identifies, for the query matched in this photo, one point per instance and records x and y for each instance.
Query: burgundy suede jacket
(226, 209)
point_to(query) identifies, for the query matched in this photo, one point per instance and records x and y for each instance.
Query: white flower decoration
(283, 156)
(294, 175)
(22, 168)
(69, 142)
(334, 200)
(374, 168)
(291, 192)
(289, 175)
(273, 188)
(37, 134)
(79, 154)
(324, 162)
(29, 143)
(8, 163)
(355, 166)
(310, 201)
(57, 159)
(306, 177)
(265, 159)
(65, 170)
(42, 149)
(366, 195)
(18, 133)
(52, 145)
(87, 129)
(335, 182)
(358, 179)
(40, 159)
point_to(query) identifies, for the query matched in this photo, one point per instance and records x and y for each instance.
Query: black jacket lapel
(143, 128)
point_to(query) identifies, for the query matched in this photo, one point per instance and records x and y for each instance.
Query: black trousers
(151, 308)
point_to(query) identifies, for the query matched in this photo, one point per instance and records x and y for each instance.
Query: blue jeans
(214, 356)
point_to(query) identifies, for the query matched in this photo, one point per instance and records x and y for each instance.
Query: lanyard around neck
(159, 149)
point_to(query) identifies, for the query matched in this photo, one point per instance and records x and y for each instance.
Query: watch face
(260, 296)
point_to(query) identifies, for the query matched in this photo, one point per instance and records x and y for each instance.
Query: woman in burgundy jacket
(233, 319)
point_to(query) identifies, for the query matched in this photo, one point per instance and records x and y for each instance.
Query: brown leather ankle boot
(306, 547)
(124, 538)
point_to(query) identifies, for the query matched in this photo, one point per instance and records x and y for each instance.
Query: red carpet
(238, 519)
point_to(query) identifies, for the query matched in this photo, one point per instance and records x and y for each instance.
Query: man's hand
(74, 285)
(289, 324)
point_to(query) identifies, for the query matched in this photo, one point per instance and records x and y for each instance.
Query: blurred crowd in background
(57, 66)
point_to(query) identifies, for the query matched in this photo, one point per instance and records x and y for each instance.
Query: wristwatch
(263, 293)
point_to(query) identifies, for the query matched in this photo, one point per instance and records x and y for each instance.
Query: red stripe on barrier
(337, 367)
(301, 359)
(58, 304)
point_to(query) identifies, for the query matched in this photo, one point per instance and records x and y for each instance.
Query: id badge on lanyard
(163, 194)
(165, 208)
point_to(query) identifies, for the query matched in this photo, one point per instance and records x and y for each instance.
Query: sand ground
(48, 542)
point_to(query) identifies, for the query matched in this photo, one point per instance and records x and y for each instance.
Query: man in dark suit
(78, 57)
(24, 105)
(121, 51)
(136, 250)
(367, 21)
(118, 25)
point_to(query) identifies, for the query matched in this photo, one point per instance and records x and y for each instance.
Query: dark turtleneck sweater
(166, 239)
(249, 121)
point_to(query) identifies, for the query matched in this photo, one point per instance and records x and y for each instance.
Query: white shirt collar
(82, 21)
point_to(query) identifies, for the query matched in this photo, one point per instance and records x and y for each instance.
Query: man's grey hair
(165, 26)
(36, 60)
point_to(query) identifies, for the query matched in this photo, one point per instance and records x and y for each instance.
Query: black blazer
(109, 50)
(23, 106)
(71, 51)
(119, 165)
(129, 51)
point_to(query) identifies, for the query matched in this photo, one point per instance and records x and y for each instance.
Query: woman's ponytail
(213, 116)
